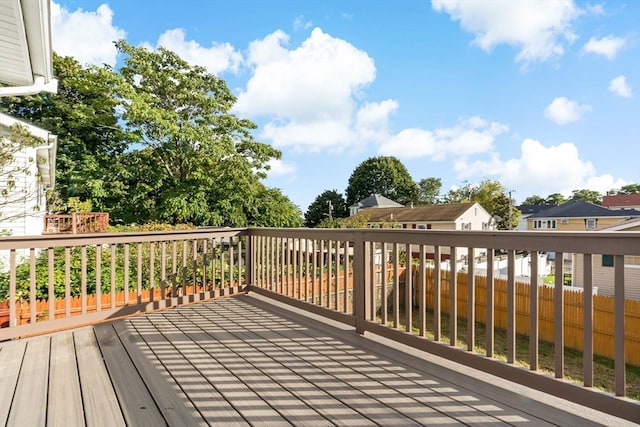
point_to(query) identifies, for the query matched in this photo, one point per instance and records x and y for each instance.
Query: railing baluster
(83, 278)
(239, 260)
(163, 270)
(490, 303)
(67, 281)
(139, 272)
(13, 321)
(423, 291)
(511, 306)
(113, 276)
(471, 300)
(125, 269)
(533, 312)
(587, 321)
(315, 272)
(619, 334)
(408, 290)
(396, 286)
(51, 291)
(345, 296)
(372, 280)
(32, 286)
(384, 304)
(152, 271)
(98, 277)
(322, 258)
(558, 304)
(453, 296)
(437, 310)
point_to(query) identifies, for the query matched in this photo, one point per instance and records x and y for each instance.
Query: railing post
(360, 286)
(250, 261)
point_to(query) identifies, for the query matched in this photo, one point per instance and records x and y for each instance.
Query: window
(590, 223)
(607, 260)
(543, 224)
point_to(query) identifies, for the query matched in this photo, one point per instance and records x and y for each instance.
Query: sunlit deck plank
(173, 404)
(138, 406)
(11, 355)
(100, 402)
(65, 400)
(29, 407)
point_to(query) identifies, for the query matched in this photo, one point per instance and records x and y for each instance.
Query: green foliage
(83, 116)
(429, 191)
(555, 199)
(589, 196)
(355, 221)
(199, 163)
(492, 196)
(328, 205)
(534, 200)
(384, 175)
(628, 189)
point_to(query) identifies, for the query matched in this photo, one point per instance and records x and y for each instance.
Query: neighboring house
(373, 201)
(577, 215)
(32, 171)
(603, 266)
(452, 216)
(526, 211)
(622, 201)
(26, 68)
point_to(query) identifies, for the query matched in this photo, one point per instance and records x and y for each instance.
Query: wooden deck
(245, 361)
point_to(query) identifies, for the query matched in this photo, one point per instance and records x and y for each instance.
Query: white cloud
(469, 137)
(607, 46)
(563, 111)
(537, 27)
(311, 93)
(86, 36)
(541, 170)
(281, 168)
(620, 87)
(301, 24)
(218, 58)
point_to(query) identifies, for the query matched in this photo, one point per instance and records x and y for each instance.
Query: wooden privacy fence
(603, 313)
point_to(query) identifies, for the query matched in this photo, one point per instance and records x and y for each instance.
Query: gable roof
(533, 209)
(422, 213)
(376, 201)
(582, 209)
(621, 200)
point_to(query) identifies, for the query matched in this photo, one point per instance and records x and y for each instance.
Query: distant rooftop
(376, 201)
(579, 209)
(620, 200)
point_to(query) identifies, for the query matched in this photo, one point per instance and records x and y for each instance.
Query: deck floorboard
(244, 361)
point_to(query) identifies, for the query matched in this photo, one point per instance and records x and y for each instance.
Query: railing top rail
(61, 240)
(610, 242)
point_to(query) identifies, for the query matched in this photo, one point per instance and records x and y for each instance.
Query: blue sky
(540, 95)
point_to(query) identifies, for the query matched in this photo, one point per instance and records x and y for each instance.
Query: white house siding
(25, 215)
(603, 277)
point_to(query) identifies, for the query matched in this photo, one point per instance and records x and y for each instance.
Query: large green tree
(492, 196)
(589, 196)
(628, 189)
(329, 204)
(201, 163)
(384, 175)
(429, 191)
(83, 116)
(555, 199)
(534, 200)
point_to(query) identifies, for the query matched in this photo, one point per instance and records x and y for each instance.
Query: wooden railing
(77, 222)
(353, 276)
(311, 269)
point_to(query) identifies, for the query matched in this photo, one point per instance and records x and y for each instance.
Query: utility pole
(330, 208)
(510, 203)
